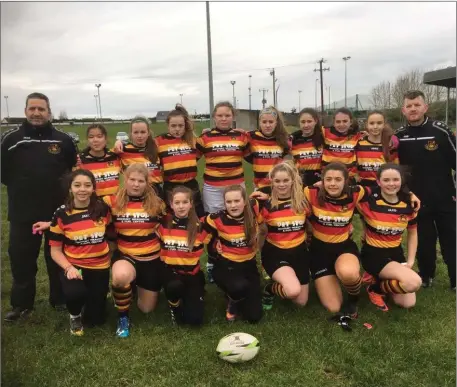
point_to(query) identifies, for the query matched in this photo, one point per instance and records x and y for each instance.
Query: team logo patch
(344, 208)
(403, 218)
(431, 145)
(99, 222)
(110, 163)
(54, 149)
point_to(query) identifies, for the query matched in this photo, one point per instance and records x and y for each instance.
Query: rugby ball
(238, 347)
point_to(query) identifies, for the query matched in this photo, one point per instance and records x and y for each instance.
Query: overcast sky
(146, 54)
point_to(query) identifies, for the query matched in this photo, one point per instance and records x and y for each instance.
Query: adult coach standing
(34, 159)
(428, 149)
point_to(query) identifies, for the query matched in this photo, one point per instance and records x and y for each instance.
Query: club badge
(54, 149)
(431, 145)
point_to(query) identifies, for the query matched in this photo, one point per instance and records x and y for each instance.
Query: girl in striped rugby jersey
(178, 156)
(78, 246)
(181, 247)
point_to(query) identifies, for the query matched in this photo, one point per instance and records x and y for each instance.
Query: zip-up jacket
(428, 152)
(34, 161)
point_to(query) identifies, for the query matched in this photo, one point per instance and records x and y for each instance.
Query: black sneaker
(17, 313)
(427, 282)
(350, 310)
(76, 326)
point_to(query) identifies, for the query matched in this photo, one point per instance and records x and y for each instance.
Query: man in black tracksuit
(428, 150)
(35, 157)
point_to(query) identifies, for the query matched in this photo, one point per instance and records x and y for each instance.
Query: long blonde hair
(152, 204)
(297, 195)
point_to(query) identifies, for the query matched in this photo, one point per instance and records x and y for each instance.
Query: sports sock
(122, 299)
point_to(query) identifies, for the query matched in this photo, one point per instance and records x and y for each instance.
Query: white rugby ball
(238, 347)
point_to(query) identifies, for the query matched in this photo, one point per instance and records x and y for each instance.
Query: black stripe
(133, 238)
(178, 171)
(222, 178)
(223, 165)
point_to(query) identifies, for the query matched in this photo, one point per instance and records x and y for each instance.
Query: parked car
(74, 136)
(122, 136)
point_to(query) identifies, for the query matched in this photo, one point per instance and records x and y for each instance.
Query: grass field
(298, 346)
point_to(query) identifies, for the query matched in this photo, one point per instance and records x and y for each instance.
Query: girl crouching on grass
(235, 269)
(78, 246)
(181, 248)
(387, 214)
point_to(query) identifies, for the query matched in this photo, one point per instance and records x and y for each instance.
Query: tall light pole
(328, 90)
(181, 97)
(98, 85)
(250, 76)
(234, 99)
(299, 100)
(96, 104)
(315, 93)
(7, 109)
(346, 58)
(210, 60)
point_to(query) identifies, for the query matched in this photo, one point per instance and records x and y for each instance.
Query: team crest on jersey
(99, 222)
(403, 218)
(54, 149)
(431, 145)
(110, 163)
(344, 208)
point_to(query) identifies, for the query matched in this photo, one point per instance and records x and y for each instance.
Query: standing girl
(142, 149)
(285, 254)
(178, 156)
(78, 246)
(387, 214)
(307, 145)
(104, 164)
(267, 146)
(136, 212)
(182, 246)
(235, 270)
(223, 149)
(375, 149)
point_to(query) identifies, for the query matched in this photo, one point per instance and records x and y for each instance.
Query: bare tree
(63, 115)
(381, 95)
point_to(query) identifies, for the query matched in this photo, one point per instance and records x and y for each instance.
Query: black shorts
(374, 259)
(297, 258)
(148, 273)
(324, 256)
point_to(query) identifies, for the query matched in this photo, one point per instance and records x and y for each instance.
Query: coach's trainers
(17, 313)
(377, 300)
(209, 272)
(76, 325)
(123, 327)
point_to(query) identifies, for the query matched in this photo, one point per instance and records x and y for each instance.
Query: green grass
(298, 346)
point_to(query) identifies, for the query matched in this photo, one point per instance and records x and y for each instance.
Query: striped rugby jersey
(174, 248)
(385, 222)
(132, 154)
(136, 229)
(178, 159)
(106, 170)
(370, 157)
(331, 221)
(264, 154)
(230, 232)
(306, 156)
(340, 147)
(224, 152)
(82, 238)
(286, 229)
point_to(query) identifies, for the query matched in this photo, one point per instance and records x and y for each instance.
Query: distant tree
(293, 110)
(63, 116)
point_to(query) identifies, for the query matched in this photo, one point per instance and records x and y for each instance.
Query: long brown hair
(96, 206)
(297, 195)
(193, 223)
(250, 223)
(404, 194)
(150, 150)
(354, 126)
(102, 130)
(333, 166)
(386, 134)
(180, 111)
(152, 204)
(280, 132)
(317, 137)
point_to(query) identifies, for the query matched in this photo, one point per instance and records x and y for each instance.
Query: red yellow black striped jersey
(230, 232)
(135, 229)
(174, 248)
(370, 157)
(306, 156)
(286, 229)
(82, 238)
(106, 170)
(331, 221)
(264, 153)
(132, 154)
(385, 222)
(340, 147)
(178, 159)
(224, 152)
